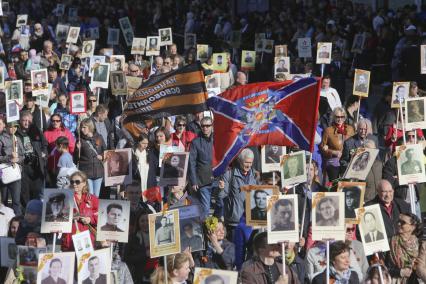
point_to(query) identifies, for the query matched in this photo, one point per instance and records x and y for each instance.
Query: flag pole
(359, 107)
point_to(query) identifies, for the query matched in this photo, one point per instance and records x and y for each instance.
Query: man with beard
(35, 153)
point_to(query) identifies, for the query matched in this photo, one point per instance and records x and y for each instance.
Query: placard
(118, 83)
(100, 75)
(82, 243)
(281, 67)
(422, 59)
(415, 117)
(73, 33)
(88, 48)
(361, 163)
(55, 268)
(283, 218)
(95, 265)
(113, 220)
(400, 92)
(113, 36)
(324, 52)
(281, 51)
(202, 52)
(328, 216)
(271, 157)
(191, 228)
(410, 163)
(190, 40)
(39, 80)
(361, 83)
(138, 45)
(293, 168)
(256, 203)
(358, 43)
(166, 36)
(118, 167)
(304, 47)
(248, 60)
(354, 198)
(164, 233)
(57, 210)
(8, 252)
(214, 276)
(174, 169)
(78, 102)
(220, 62)
(152, 46)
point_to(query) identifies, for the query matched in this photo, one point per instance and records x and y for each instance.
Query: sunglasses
(134, 70)
(181, 125)
(77, 181)
(340, 117)
(350, 230)
(56, 120)
(402, 222)
(206, 125)
(93, 101)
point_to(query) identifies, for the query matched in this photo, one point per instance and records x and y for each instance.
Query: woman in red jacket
(181, 136)
(85, 211)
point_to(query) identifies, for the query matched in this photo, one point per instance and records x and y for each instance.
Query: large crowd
(57, 149)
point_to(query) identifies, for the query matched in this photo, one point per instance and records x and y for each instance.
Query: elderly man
(390, 206)
(234, 197)
(356, 141)
(48, 56)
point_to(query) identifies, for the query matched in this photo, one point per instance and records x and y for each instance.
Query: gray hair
(245, 154)
(366, 122)
(338, 109)
(206, 119)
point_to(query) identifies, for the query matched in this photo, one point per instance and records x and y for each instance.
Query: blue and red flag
(280, 113)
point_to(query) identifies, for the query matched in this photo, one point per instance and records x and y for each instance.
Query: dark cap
(58, 197)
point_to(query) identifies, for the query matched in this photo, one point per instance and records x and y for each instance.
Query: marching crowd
(57, 149)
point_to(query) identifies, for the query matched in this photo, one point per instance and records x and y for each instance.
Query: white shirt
(332, 97)
(6, 214)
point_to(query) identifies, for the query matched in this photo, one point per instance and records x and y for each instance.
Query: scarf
(340, 278)
(290, 256)
(404, 252)
(341, 129)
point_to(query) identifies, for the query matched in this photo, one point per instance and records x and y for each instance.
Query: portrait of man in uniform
(55, 208)
(282, 216)
(411, 165)
(114, 218)
(164, 234)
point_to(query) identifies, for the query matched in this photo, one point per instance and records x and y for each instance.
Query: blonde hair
(84, 178)
(174, 261)
(88, 123)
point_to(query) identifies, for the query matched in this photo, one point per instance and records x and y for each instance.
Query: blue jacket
(200, 161)
(241, 239)
(234, 197)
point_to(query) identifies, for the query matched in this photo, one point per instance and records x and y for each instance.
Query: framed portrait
(358, 43)
(293, 168)
(410, 163)
(281, 67)
(328, 216)
(152, 46)
(66, 61)
(12, 111)
(60, 10)
(268, 45)
(113, 220)
(94, 33)
(281, 51)
(235, 40)
(248, 60)
(21, 20)
(133, 83)
(354, 198)
(415, 116)
(8, 252)
(324, 52)
(258, 45)
(138, 45)
(28, 255)
(282, 218)
(400, 92)
(164, 233)
(43, 99)
(190, 40)
(57, 211)
(61, 32)
(256, 203)
(212, 81)
(117, 62)
(113, 36)
(73, 33)
(361, 83)
(304, 47)
(202, 52)
(94, 62)
(214, 276)
(166, 36)
(82, 243)
(39, 81)
(271, 158)
(100, 75)
(127, 29)
(220, 62)
(118, 83)
(372, 229)
(88, 48)
(14, 91)
(78, 102)
(191, 228)
(55, 268)
(95, 265)
(423, 59)
(118, 166)
(361, 163)
(168, 149)
(174, 169)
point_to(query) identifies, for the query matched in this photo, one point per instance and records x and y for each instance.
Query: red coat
(186, 139)
(87, 207)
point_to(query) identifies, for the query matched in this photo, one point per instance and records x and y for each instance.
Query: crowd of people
(55, 148)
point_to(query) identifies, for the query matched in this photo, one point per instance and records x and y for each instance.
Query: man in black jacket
(103, 125)
(35, 153)
(389, 206)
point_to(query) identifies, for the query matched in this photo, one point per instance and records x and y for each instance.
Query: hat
(58, 197)
(34, 206)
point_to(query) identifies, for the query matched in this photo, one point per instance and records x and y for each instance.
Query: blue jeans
(95, 186)
(205, 196)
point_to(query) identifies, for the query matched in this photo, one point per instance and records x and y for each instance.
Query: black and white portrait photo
(256, 203)
(113, 220)
(202, 52)
(77, 102)
(61, 32)
(113, 36)
(164, 233)
(96, 267)
(114, 213)
(399, 93)
(118, 83)
(12, 111)
(21, 20)
(8, 252)
(410, 163)
(73, 33)
(271, 157)
(14, 90)
(165, 36)
(190, 40)
(117, 62)
(174, 169)
(56, 268)
(324, 53)
(39, 81)
(358, 43)
(361, 163)
(191, 230)
(282, 65)
(415, 116)
(423, 59)
(361, 82)
(138, 45)
(328, 215)
(248, 59)
(152, 46)
(57, 211)
(118, 166)
(281, 51)
(354, 198)
(164, 230)
(293, 168)
(100, 75)
(66, 61)
(282, 218)
(88, 48)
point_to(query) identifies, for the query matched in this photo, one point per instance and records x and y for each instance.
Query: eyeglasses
(206, 125)
(402, 222)
(77, 181)
(134, 71)
(56, 120)
(181, 125)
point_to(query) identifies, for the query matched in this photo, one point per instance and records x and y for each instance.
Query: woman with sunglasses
(182, 137)
(404, 249)
(332, 141)
(85, 210)
(56, 129)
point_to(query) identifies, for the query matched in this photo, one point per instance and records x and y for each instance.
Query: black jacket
(200, 161)
(39, 144)
(110, 143)
(86, 159)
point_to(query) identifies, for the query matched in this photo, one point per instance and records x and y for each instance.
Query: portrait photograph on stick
(190, 40)
(95, 267)
(282, 218)
(56, 268)
(293, 168)
(220, 62)
(202, 52)
(164, 233)
(66, 61)
(281, 51)
(271, 158)
(138, 45)
(113, 36)
(113, 220)
(361, 83)
(354, 198)
(324, 53)
(372, 229)
(73, 33)
(118, 166)
(166, 36)
(117, 62)
(39, 81)
(94, 62)
(410, 163)
(361, 162)
(214, 276)
(14, 91)
(82, 243)
(8, 252)
(78, 102)
(256, 203)
(174, 169)
(328, 215)
(191, 228)
(248, 60)
(152, 46)
(415, 116)
(88, 48)
(57, 211)
(400, 92)
(358, 43)
(118, 83)
(282, 67)
(100, 76)
(12, 111)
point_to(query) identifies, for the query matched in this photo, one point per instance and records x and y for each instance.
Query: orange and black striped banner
(178, 92)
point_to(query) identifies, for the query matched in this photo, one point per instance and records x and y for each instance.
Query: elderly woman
(233, 197)
(90, 154)
(340, 270)
(404, 249)
(182, 137)
(85, 210)
(332, 142)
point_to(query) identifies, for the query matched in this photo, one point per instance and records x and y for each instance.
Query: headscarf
(404, 252)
